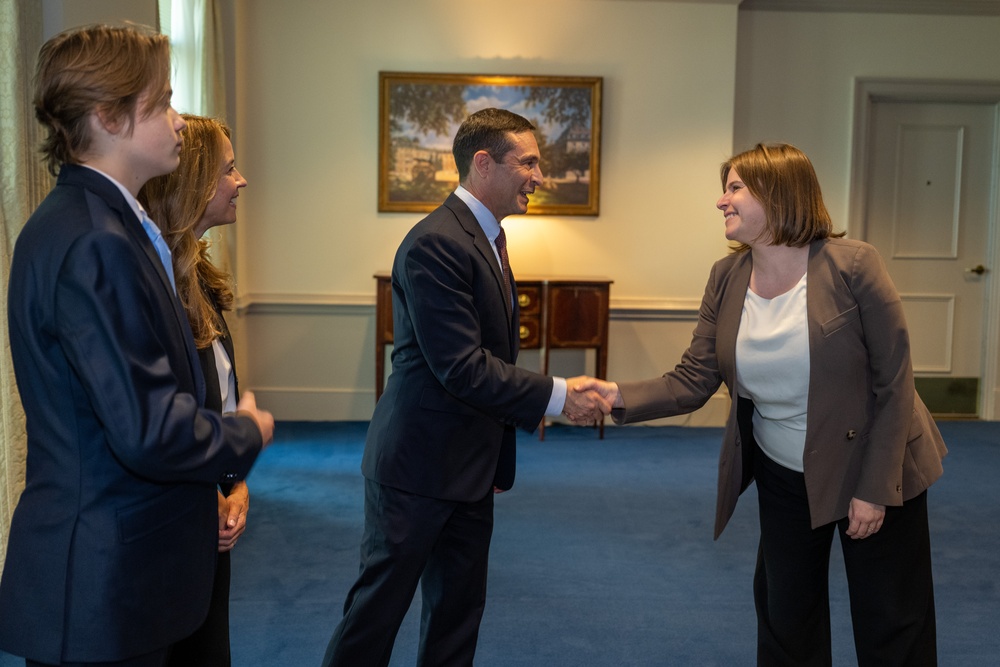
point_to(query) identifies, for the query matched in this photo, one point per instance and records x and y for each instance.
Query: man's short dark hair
(486, 130)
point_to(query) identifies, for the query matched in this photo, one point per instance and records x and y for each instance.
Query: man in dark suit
(113, 543)
(442, 438)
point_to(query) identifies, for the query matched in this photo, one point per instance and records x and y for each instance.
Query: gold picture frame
(419, 114)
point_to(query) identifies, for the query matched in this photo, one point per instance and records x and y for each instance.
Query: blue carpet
(602, 553)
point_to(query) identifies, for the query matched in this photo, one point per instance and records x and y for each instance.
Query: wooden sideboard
(557, 312)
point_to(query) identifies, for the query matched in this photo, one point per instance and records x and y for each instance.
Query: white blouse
(772, 369)
(227, 379)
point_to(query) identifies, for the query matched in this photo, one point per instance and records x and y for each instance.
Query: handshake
(589, 399)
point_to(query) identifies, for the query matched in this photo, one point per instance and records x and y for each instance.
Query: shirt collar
(132, 202)
(483, 216)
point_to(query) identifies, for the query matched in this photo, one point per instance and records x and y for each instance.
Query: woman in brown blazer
(807, 331)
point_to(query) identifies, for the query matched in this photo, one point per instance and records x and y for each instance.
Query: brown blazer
(868, 434)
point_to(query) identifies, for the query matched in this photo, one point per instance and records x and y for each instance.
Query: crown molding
(953, 7)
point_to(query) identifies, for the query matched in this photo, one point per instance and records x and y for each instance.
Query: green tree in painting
(427, 108)
(568, 107)
(423, 109)
(562, 106)
(419, 110)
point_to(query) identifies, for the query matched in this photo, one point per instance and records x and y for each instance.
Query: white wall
(796, 71)
(795, 82)
(684, 85)
(307, 135)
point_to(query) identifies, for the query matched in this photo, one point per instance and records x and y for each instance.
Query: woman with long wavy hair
(199, 195)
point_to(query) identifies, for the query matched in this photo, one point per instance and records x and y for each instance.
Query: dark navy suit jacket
(113, 544)
(445, 426)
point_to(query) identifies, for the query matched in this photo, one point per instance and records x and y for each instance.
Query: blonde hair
(177, 202)
(783, 180)
(98, 68)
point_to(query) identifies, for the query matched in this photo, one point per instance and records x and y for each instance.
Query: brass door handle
(978, 270)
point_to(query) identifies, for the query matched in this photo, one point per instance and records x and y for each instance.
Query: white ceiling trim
(954, 7)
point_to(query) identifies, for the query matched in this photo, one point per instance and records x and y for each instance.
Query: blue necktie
(153, 232)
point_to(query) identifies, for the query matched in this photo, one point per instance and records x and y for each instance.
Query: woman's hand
(865, 519)
(233, 515)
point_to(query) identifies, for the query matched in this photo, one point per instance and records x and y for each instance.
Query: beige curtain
(199, 77)
(23, 184)
(213, 88)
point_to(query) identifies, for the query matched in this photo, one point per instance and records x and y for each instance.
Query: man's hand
(584, 406)
(608, 391)
(264, 419)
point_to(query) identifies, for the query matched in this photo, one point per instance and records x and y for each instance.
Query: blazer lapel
(139, 236)
(483, 247)
(101, 186)
(731, 312)
(515, 320)
(227, 343)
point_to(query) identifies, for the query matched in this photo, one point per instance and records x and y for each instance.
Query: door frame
(867, 93)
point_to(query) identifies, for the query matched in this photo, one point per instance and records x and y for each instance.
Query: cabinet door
(529, 301)
(383, 310)
(577, 315)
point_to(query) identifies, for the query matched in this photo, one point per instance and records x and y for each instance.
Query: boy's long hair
(99, 68)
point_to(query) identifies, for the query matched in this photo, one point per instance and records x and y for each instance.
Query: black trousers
(409, 539)
(209, 645)
(888, 576)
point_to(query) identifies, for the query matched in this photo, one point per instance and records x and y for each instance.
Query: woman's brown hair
(783, 180)
(176, 202)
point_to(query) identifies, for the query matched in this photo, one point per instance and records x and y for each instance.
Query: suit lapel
(731, 313)
(106, 190)
(483, 247)
(817, 291)
(515, 320)
(138, 234)
(227, 343)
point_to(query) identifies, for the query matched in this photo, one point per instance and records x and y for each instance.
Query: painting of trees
(420, 113)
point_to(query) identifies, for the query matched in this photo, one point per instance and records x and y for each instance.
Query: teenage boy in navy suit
(113, 543)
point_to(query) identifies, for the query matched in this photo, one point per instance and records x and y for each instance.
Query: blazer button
(899, 488)
(852, 434)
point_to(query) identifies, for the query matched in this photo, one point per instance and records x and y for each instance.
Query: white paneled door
(931, 169)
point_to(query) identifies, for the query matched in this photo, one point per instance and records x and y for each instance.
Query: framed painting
(419, 115)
